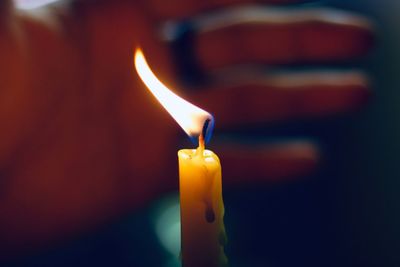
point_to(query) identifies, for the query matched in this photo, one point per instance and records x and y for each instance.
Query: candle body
(202, 209)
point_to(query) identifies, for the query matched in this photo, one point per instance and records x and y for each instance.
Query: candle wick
(201, 141)
(200, 149)
(203, 135)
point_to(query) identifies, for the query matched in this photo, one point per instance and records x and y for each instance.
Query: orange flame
(193, 120)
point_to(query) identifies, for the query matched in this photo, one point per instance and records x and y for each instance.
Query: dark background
(347, 214)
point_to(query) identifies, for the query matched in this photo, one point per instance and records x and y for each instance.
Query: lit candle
(202, 209)
(200, 185)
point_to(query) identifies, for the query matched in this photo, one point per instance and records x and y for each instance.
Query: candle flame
(193, 120)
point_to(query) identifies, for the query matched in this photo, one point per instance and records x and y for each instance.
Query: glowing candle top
(192, 119)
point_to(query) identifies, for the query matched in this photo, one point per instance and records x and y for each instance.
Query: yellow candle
(202, 208)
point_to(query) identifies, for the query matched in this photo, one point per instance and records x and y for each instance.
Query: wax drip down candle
(200, 185)
(202, 208)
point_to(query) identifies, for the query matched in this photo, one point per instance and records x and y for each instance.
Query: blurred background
(346, 214)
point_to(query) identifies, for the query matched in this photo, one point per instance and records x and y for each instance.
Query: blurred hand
(82, 141)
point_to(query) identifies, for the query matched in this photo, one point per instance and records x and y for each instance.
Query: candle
(200, 185)
(202, 208)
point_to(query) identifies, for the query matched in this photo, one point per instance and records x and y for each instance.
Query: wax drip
(210, 215)
(209, 211)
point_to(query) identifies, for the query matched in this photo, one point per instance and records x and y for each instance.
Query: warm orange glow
(187, 115)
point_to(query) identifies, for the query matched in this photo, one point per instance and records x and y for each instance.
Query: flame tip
(193, 120)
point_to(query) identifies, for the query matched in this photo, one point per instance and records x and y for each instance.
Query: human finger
(260, 164)
(177, 9)
(284, 96)
(279, 36)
